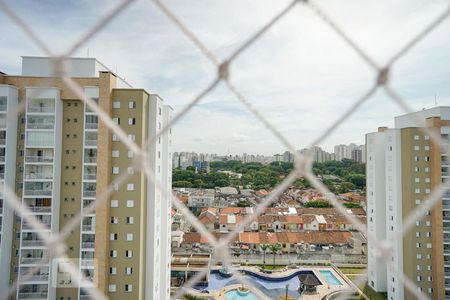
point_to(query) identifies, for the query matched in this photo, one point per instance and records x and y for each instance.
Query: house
(208, 218)
(228, 222)
(201, 198)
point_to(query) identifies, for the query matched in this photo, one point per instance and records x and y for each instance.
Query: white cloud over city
(300, 74)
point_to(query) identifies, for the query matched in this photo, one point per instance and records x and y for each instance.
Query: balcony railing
(39, 176)
(90, 176)
(3, 107)
(87, 245)
(90, 194)
(40, 208)
(38, 192)
(41, 277)
(91, 126)
(41, 109)
(88, 227)
(39, 159)
(27, 226)
(90, 142)
(37, 295)
(34, 260)
(2, 158)
(32, 243)
(40, 125)
(90, 159)
(2, 141)
(2, 176)
(87, 262)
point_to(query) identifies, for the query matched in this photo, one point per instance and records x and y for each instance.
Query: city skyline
(287, 87)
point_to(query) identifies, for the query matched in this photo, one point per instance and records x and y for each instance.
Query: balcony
(36, 295)
(39, 159)
(39, 176)
(2, 141)
(89, 194)
(32, 243)
(2, 176)
(88, 227)
(91, 126)
(40, 126)
(2, 158)
(38, 192)
(40, 109)
(44, 209)
(34, 260)
(90, 176)
(88, 245)
(90, 159)
(87, 262)
(40, 277)
(3, 107)
(46, 223)
(90, 142)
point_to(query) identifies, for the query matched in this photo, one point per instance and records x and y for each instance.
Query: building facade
(403, 167)
(63, 157)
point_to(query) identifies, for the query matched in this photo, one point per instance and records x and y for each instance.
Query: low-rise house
(228, 222)
(208, 217)
(201, 198)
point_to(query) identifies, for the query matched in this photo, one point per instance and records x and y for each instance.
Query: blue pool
(330, 278)
(234, 295)
(272, 287)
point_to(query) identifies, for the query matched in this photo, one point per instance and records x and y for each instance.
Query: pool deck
(321, 291)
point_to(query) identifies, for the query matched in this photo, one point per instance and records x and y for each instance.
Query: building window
(116, 121)
(418, 245)
(128, 271)
(130, 154)
(114, 203)
(419, 267)
(115, 138)
(427, 158)
(427, 180)
(130, 170)
(417, 234)
(419, 278)
(428, 234)
(429, 245)
(113, 270)
(416, 148)
(417, 191)
(115, 153)
(427, 191)
(426, 148)
(129, 253)
(130, 203)
(417, 180)
(113, 236)
(113, 253)
(114, 220)
(130, 187)
(417, 201)
(132, 137)
(129, 236)
(130, 220)
(416, 169)
(416, 137)
(131, 104)
(428, 223)
(131, 121)
(116, 104)
(112, 288)
(115, 170)
(128, 288)
(416, 158)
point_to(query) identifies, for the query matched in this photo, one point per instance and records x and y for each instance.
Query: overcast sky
(300, 74)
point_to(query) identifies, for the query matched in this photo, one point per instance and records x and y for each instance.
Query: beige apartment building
(58, 157)
(403, 168)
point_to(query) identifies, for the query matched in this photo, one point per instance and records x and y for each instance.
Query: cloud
(300, 74)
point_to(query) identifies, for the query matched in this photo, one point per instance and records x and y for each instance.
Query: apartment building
(59, 156)
(403, 167)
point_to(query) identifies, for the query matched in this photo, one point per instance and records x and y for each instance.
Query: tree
(264, 247)
(274, 248)
(359, 180)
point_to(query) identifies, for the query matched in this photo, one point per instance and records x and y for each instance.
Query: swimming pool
(271, 287)
(234, 295)
(329, 277)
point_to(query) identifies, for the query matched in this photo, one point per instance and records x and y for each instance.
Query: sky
(300, 75)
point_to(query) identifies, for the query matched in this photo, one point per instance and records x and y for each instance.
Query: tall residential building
(403, 167)
(59, 157)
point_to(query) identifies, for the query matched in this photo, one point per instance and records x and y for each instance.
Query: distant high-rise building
(403, 167)
(66, 157)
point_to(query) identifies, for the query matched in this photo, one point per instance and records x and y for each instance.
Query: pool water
(234, 295)
(330, 278)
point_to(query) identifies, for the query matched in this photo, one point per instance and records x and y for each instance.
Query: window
(115, 170)
(128, 287)
(131, 121)
(417, 180)
(428, 223)
(417, 201)
(418, 245)
(428, 234)
(130, 187)
(430, 290)
(130, 203)
(417, 234)
(129, 236)
(416, 158)
(116, 120)
(116, 104)
(426, 148)
(429, 245)
(130, 154)
(417, 191)
(112, 288)
(113, 253)
(427, 191)
(114, 220)
(416, 137)
(419, 278)
(430, 278)
(416, 148)
(113, 270)
(131, 104)
(130, 170)
(427, 158)
(113, 236)
(427, 170)
(114, 203)
(128, 270)
(130, 220)
(115, 138)
(427, 180)
(129, 253)
(419, 267)
(115, 153)
(416, 169)
(132, 137)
